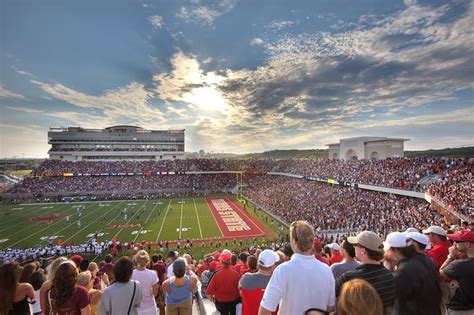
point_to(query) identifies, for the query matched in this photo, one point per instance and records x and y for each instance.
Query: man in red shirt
(241, 263)
(335, 253)
(318, 251)
(440, 244)
(224, 286)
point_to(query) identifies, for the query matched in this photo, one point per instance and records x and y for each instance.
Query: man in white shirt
(303, 282)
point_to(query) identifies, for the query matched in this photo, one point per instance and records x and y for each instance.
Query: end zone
(233, 221)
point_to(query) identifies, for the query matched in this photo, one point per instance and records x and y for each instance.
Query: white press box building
(367, 148)
(115, 143)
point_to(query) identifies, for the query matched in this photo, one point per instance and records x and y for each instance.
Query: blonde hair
(358, 297)
(303, 234)
(84, 278)
(142, 258)
(189, 259)
(53, 267)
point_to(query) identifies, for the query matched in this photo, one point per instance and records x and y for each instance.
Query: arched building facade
(376, 148)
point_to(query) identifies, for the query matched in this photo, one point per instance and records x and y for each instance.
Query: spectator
(253, 285)
(36, 280)
(369, 251)
(348, 263)
(421, 242)
(318, 252)
(27, 270)
(460, 274)
(51, 273)
(336, 256)
(251, 264)
(178, 289)
(242, 263)
(206, 277)
(358, 297)
(65, 296)
(124, 296)
(223, 287)
(172, 256)
(159, 266)
(149, 283)
(285, 287)
(86, 280)
(440, 245)
(13, 294)
(416, 276)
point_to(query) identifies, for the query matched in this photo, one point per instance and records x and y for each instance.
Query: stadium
(237, 157)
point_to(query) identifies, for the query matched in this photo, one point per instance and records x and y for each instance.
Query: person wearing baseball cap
(421, 242)
(416, 276)
(253, 285)
(224, 286)
(440, 244)
(318, 251)
(336, 256)
(349, 263)
(369, 251)
(461, 272)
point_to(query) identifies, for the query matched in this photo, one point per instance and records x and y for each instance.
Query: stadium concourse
(386, 237)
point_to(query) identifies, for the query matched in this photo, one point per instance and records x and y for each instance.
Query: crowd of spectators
(427, 271)
(81, 184)
(337, 207)
(456, 186)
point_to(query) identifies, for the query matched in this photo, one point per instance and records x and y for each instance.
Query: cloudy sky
(239, 75)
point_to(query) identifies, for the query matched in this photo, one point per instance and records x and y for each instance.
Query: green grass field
(165, 219)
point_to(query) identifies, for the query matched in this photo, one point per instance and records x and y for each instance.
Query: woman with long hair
(65, 296)
(14, 295)
(86, 280)
(50, 273)
(149, 283)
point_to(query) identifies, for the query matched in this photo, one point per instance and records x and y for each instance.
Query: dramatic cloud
(123, 105)
(409, 59)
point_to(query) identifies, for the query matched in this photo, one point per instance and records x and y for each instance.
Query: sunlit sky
(239, 75)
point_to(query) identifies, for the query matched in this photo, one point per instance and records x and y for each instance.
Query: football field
(220, 217)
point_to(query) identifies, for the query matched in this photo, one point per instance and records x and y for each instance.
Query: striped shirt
(378, 276)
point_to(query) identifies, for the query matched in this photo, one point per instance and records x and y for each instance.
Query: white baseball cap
(420, 238)
(268, 258)
(411, 229)
(435, 229)
(334, 246)
(397, 240)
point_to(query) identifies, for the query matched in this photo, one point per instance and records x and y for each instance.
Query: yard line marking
(197, 216)
(181, 220)
(163, 222)
(112, 208)
(138, 234)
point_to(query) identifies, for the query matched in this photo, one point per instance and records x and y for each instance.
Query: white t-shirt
(298, 285)
(147, 279)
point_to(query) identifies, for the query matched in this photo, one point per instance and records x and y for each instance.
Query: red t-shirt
(160, 269)
(322, 259)
(80, 299)
(439, 253)
(335, 258)
(224, 285)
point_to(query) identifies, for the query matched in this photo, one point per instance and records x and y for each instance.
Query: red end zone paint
(233, 221)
